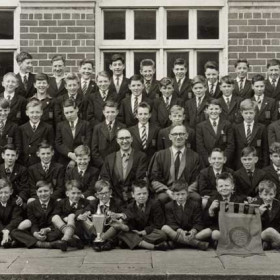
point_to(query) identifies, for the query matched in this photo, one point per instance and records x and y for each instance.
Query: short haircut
(227, 80)
(69, 103)
(214, 102)
(147, 62)
(111, 104)
(144, 105)
(116, 57)
(41, 184)
(179, 185)
(82, 150)
(164, 82)
(218, 150)
(23, 56)
(41, 77)
(5, 183)
(273, 62)
(85, 61)
(45, 145)
(103, 74)
(11, 147)
(58, 57)
(11, 74)
(70, 184)
(177, 109)
(225, 176)
(248, 150)
(274, 148)
(136, 77)
(4, 103)
(199, 80)
(141, 183)
(180, 61)
(71, 77)
(258, 78)
(101, 184)
(211, 65)
(122, 129)
(267, 185)
(175, 125)
(241, 60)
(34, 103)
(248, 104)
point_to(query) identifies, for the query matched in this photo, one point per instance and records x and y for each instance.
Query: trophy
(98, 220)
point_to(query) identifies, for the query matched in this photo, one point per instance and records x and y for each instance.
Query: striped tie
(259, 102)
(227, 101)
(249, 134)
(135, 106)
(25, 82)
(144, 137)
(241, 84)
(212, 90)
(274, 83)
(167, 104)
(84, 89)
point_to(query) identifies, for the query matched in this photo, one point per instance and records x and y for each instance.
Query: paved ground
(123, 264)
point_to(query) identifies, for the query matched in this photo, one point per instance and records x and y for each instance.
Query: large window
(195, 30)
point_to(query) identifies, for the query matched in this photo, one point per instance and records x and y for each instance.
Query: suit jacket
(65, 142)
(115, 206)
(54, 175)
(272, 92)
(10, 216)
(151, 146)
(154, 91)
(30, 141)
(217, 94)
(271, 173)
(274, 132)
(30, 91)
(113, 172)
(188, 218)
(207, 181)
(124, 90)
(19, 180)
(244, 186)
(246, 92)
(207, 139)
(152, 217)
(87, 181)
(258, 140)
(92, 88)
(126, 115)
(104, 142)
(185, 93)
(53, 91)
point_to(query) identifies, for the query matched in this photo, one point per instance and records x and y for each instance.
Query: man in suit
(124, 167)
(212, 75)
(172, 164)
(272, 84)
(87, 85)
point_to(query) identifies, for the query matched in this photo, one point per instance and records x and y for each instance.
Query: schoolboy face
(211, 75)
(177, 117)
(225, 187)
(72, 86)
(136, 87)
(9, 157)
(275, 159)
(10, 83)
(86, 71)
(258, 88)
(214, 111)
(241, 70)
(199, 90)
(178, 136)
(4, 112)
(103, 83)
(180, 196)
(226, 89)
(167, 90)
(104, 195)
(41, 86)
(267, 196)
(70, 113)
(5, 194)
(143, 115)
(44, 193)
(117, 67)
(249, 161)
(110, 113)
(147, 72)
(26, 66)
(273, 71)
(34, 113)
(58, 68)
(124, 140)
(248, 115)
(180, 71)
(45, 155)
(140, 195)
(82, 161)
(217, 160)
(74, 194)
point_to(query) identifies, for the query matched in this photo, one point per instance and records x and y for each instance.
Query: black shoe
(171, 245)
(266, 245)
(107, 246)
(7, 245)
(163, 246)
(60, 244)
(76, 243)
(97, 246)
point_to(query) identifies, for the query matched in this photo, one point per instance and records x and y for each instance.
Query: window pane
(177, 24)
(138, 56)
(203, 57)
(208, 24)
(144, 25)
(7, 25)
(6, 65)
(171, 57)
(114, 25)
(107, 60)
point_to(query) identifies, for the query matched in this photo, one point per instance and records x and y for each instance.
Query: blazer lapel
(118, 165)
(254, 131)
(129, 164)
(104, 130)
(210, 128)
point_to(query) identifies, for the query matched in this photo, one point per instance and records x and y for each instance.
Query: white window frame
(162, 45)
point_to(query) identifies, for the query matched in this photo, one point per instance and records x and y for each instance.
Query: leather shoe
(60, 244)
(107, 246)
(163, 246)
(7, 245)
(97, 246)
(76, 243)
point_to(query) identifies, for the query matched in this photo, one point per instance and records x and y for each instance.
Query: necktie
(274, 83)
(144, 137)
(46, 168)
(278, 173)
(217, 174)
(74, 205)
(142, 207)
(249, 134)
(72, 97)
(179, 84)
(104, 95)
(125, 158)
(84, 89)
(44, 206)
(8, 97)
(72, 125)
(241, 84)
(250, 174)
(215, 126)
(1, 127)
(227, 102)
(148, 86)
(177, 164)
(199, 102)
(212, 89)
(167, 103)
(25, 82)
(135, 106)
(81, 173)
(118, 84)
(110, 126)
(34, 127)
(8, 172)
(259, 102)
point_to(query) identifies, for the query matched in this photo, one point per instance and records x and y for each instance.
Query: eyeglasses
(124, 138)
(103, 194)
(178, 134)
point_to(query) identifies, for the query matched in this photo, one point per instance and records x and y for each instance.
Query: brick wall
(46, 31)
(254, 33)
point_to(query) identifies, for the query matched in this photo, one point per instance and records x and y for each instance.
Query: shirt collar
(238, 79)
(257, 96)
(83, 81)
(75, 122)
(275, 167)
(181, 204)
(215, 84)
(120, 78)
(141, 125)
(4, 204)
(22, 75)
(36, 124)
(182, 80)
(10, 94)
(227, 97)
(47, 203)
(251, 124)
(271, 80)
(112, 124)
(174, 150)
(43, 164)
(202, 97)
(10, 167)
(217, 121)
(79, 170)
(75, 95)
(106, 204)
(126, 152)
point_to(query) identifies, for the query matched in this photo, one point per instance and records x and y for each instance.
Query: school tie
(249, 134)
(144, 137)
(44, 206)
(142, 207)
(199, 102)
(125, 158)
(259, 101)
(135, 106)
(72, 125)
(46, 168)
(177, 164)
(274, 83)
(227, 102)
(167, 103)
(72, 97)
(1, 127)
(217, 174)
(74, 205)
(118, 84)
(84, 89)
(110, 126)
(25, 82)
(179, 84)
(148, 86)
(250, 174)
(34, 127)
(104, 95)
(9, 97)
(215, 126)
(212, 89)
(81, 172)
(8, 172)
(241, 84)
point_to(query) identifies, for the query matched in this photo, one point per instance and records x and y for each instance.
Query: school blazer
(217, 94)
(189, 218)
(92, 88)
(154, 91)
(53, 91)
(246, 92)
(273, 132)
(104, 143)
(124, 90)
(115, 206)
(272, 92)
(271, 173)
(185, 93)
(30, 91)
